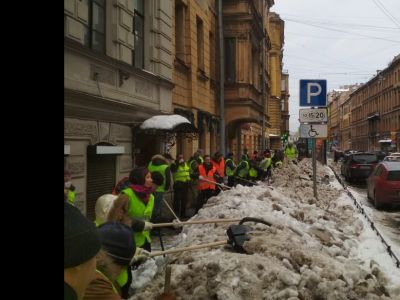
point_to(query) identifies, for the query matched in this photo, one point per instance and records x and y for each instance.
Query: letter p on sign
(313, 92)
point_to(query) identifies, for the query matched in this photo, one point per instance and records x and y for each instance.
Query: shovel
(216, 183)
(237, 236)
(155, 225)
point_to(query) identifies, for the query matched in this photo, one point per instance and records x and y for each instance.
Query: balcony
(373, 116)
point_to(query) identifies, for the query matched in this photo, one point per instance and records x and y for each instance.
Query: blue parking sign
(313, 92)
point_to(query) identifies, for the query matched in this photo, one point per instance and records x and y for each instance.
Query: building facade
(118, 72)
(375, 111)
(285, 102)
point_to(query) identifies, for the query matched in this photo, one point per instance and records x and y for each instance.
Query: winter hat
(137, 175)
(103, 206)
(81, 239)
(117, 240)
(157, 178)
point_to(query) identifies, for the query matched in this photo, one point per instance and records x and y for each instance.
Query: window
(200, 43)
(138, 34)
(179, 30)
(212, 55)
(230, 60)
(94, 35)
(393, 176)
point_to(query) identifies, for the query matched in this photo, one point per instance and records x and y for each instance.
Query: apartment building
(375, 111)
(117, 73)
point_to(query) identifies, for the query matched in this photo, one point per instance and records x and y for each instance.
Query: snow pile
(312, 250)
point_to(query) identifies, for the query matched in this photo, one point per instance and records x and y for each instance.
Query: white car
(392, 158)
(395, 154)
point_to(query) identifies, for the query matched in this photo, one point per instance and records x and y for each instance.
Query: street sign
(313, 115)
(312, 92)
(313, 131)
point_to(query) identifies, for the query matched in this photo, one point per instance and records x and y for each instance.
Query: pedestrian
(230, 168)
(242, 170)
(69, 188)
(117, 250)
(111, 208)
(141, 202)
(277, 159)
(291, 152)
(160, 164)
(218, 162)
(207, 175)
(181, 175)
(81, 245)
(266, 165)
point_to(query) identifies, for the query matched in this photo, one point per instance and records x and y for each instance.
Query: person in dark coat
(81, 245)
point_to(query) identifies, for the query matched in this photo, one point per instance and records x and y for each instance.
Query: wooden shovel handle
(155, 225)
(190, 248)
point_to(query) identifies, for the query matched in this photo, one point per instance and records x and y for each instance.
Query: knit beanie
(117, 240)
(137, 175)
(81, 239)
(103, 206)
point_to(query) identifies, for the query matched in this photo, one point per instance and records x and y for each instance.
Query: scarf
(142, 192)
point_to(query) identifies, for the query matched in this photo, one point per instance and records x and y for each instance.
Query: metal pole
(221, 80)
(314, 169)
(263, 82)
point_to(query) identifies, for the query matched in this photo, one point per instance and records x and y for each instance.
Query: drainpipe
(221, 79)
(263, 145)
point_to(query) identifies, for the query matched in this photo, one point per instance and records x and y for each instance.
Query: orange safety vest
(220, 167)
(203, 185)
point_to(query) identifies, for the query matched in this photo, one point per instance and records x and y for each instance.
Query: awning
(273, 135)
(385, 141)
(168, 123)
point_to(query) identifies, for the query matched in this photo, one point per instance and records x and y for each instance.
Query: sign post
(313, 121)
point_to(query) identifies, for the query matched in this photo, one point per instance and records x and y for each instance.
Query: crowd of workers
(99, 256)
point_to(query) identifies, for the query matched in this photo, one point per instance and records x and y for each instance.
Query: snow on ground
(316, 248)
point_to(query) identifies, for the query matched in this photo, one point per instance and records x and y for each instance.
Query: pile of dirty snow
(315, 248)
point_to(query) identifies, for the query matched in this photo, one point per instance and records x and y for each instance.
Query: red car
(383, 185)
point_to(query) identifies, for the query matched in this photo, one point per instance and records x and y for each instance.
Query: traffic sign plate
(313, 115)
(313, 92)
(315, 131)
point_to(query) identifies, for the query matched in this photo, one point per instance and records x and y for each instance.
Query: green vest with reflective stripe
(182, 173)
(229, 171)
(71, 197)
(107, 279)
(253, 172)
(137, 209)
(290, 152)
(161, 168)
(266, 163)
(243, 172)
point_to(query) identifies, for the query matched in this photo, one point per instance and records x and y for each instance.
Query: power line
(386, 12)
(338, 30)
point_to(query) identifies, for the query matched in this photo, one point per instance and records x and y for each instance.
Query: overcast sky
(342, 41)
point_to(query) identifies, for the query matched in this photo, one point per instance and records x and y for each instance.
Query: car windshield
(365, 158)
(393, 176)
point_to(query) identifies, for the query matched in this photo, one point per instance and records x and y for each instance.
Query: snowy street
(315, 248)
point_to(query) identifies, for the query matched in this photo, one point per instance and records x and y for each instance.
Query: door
(100, 178)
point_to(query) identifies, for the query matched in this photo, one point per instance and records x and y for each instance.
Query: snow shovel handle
(155, 225)
(220, 184)
(190, 248)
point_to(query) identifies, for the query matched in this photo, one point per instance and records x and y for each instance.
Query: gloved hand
(141, 255)
(201, 177)
(147, 226)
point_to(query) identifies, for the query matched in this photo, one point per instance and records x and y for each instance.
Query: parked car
(383, 185)
(358, 166)
(391, 158)
(395, 154)
(381, 154)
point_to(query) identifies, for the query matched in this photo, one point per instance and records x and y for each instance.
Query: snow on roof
(166, 122)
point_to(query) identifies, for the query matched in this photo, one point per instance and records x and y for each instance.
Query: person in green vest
(242, 170)
(291, 152)
(277, 159)
(266, 164)
(141, 202)
(117, 250)
(230, 168)
(181, 175)
(81, 245)
(69, 188)
(160, 164)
